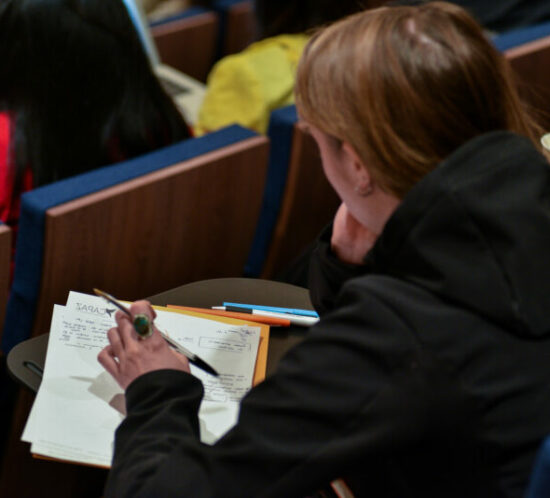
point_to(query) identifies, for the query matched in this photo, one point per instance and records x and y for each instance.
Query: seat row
(227, 28)
(186, 212)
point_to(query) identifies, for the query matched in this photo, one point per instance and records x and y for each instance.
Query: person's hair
(81, 92)
(406, 86)
(275, 17)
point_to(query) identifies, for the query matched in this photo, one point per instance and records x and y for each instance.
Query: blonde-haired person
(428, 373)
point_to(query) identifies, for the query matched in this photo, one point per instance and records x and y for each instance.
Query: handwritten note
(79, 405)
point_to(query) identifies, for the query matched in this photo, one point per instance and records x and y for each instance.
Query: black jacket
(427, 376)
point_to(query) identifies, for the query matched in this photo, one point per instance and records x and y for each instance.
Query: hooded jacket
(428, 374)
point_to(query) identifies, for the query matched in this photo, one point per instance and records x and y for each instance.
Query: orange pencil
(268, 320)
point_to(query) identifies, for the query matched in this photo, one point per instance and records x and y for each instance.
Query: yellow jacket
(244, 88)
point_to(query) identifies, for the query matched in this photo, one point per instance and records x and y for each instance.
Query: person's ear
(364, 183)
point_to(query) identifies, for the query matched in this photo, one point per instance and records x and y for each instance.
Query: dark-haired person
(76, 92)
(245, 88)
(428, 374)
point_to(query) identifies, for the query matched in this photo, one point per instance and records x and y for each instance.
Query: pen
(144, 329)
(267, 320)
(293, 311)
(302, 320)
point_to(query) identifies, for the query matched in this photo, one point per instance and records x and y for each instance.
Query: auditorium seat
(528, 50)
(298, 200)
(182, 213)
(188, 41)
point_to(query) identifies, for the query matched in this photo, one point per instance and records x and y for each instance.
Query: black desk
(28, 357)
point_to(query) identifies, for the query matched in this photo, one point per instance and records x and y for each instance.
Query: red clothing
(9, 207)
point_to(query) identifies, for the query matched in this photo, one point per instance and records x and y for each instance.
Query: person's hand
(127, 356)
(350, 240)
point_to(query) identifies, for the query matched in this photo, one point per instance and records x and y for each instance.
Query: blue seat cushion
(34, 204)
(518, 37)
(280, 133)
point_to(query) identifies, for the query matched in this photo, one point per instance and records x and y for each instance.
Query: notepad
(79, 405)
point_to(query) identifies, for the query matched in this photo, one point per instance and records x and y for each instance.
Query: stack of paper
(79, 405)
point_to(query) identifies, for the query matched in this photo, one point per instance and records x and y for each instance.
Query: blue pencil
(293, 311)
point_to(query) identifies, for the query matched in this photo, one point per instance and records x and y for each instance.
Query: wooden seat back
(531, 65)
(309, 203)
(188, 222)
(188, 43)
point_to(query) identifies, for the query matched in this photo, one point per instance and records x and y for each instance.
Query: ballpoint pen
(277, 309)
(143, 327)
(304, 321)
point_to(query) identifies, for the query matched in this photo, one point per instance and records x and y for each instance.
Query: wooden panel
(531, 65)
(188, 44)
(186, 222)
(5, 267)
(309, 203)
(239, 27)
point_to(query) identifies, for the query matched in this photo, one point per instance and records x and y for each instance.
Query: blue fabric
(280, 132)
(190, 12)
(30, 240)
(539, 484)
(518, 37)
